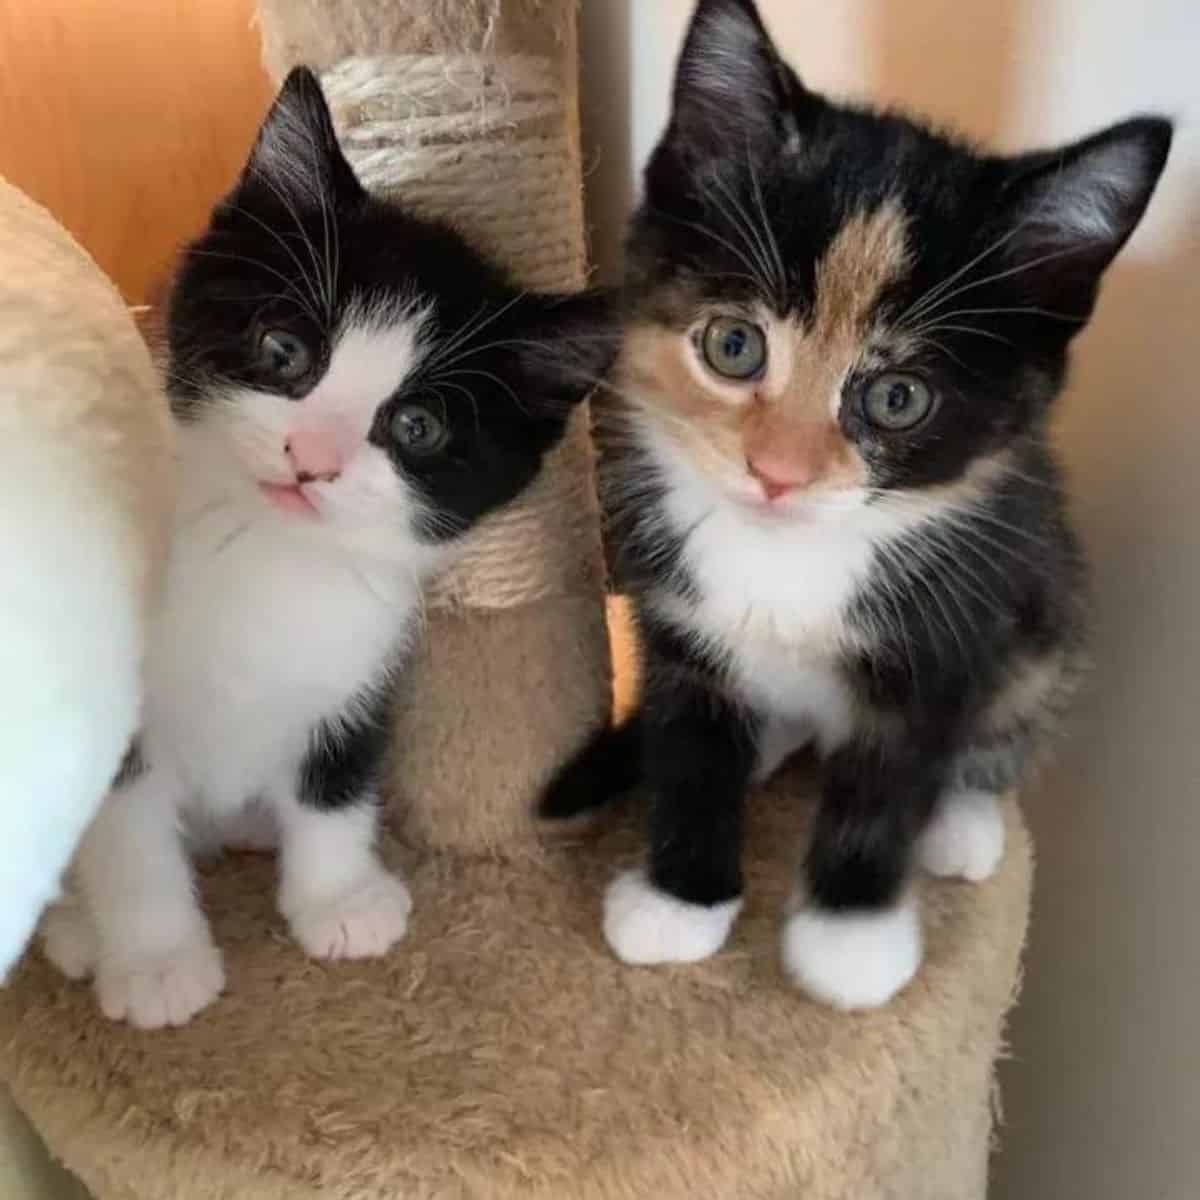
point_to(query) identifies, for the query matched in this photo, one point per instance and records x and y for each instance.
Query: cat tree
(501, 1051)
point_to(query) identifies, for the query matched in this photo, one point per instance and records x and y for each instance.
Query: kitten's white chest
(775, 600)
(772, 597)
(261, 637)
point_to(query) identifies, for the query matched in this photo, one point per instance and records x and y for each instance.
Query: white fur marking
(965, 838)
(644, 925)
(778, 740)
(853, 960)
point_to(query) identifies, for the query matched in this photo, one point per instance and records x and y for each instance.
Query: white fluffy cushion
(84, 499)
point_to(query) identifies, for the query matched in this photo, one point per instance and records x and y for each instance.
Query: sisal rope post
(467, 112)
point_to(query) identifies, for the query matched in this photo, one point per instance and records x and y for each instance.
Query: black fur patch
(346, 754)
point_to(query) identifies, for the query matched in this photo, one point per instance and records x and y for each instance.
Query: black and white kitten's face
(828, 305)
(371, 374)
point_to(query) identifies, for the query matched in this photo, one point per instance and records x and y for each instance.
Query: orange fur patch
(787, 422)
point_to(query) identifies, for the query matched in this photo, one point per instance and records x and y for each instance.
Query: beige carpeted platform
(503, 1052)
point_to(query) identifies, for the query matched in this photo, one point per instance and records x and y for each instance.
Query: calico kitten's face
(826, 303)
(366, 371)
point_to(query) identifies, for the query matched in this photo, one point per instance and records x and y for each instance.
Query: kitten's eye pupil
(898, 397)
(283, 355)
(417, 430)
(894, 402)
(734, 348)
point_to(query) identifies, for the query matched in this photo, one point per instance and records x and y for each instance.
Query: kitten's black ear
(296, 154)
(1072, 209)
(568, 347)
(732, 90)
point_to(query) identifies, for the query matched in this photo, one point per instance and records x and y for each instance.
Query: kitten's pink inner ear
(314, 454)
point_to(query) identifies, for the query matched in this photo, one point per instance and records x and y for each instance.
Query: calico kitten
(833, 499)
(353, 389)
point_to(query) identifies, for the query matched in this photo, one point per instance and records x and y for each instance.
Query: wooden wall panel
(127, 118)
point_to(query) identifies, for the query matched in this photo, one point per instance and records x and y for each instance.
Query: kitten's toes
(161, 989)
(852, 960)
(365, 922)
(69, 939)
(965, 838)
(646, 925)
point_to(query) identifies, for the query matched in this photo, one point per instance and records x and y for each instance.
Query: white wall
(1102, 1094)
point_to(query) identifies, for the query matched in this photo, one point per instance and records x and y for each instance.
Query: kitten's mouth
(758, 501)
(290, 497)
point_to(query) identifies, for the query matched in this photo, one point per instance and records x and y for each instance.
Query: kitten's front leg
(138, 927)
(856, 940)
(698, 752)
(338, 898)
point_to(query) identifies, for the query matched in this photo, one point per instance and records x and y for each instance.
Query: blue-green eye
(417, 431)
(734, 348)
(895, 402)
(283, 355)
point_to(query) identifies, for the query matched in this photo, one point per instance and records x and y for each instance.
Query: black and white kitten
(832, 497)
(353, 389)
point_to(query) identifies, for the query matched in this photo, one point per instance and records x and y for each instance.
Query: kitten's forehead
(866, 255)
(376, 348)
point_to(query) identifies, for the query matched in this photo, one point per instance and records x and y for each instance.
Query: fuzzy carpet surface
(501, 1051)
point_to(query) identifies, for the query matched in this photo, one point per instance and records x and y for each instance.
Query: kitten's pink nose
(780, 477)
(314, 455)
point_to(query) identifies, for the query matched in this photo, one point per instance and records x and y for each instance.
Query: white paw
(965, 838)
(69, 939)
(365, 922)
(645, 925)
(161, 989)
(852, 960)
